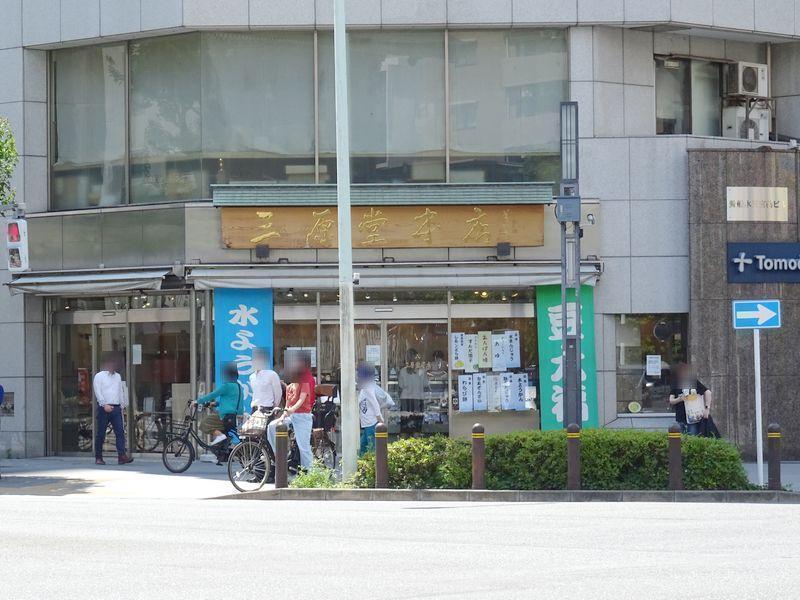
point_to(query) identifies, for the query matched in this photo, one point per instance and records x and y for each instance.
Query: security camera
(356, 278)
(590, 218)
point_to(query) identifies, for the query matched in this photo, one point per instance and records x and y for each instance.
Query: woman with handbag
(691, 399)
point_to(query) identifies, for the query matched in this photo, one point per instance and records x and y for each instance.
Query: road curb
(716, 496)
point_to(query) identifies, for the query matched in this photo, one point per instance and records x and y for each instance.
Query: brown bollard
(281, 454)
(774, 456)
(478, 457)
(674, 458)
(381, 456)
(573, 457)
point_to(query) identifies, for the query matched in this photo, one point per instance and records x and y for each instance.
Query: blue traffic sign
(756, 314)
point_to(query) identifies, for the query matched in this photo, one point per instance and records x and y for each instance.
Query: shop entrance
(150, 340)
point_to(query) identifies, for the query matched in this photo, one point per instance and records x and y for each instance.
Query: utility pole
(347, 387)
(568, 213)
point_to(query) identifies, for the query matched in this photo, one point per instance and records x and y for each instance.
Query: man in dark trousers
(111, 399)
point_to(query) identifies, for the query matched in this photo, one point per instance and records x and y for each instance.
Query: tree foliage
(8, 162)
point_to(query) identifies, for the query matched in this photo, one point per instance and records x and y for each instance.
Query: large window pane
(89, 112)
(505, 90)
(397, 119)
(663, 339)
(706, 98)
(673, 96)
(165, 120)
(258, 107)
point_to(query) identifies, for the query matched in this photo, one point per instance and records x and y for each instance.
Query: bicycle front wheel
(148, 435)
(325, 453)
(248, 466)
(178, 455)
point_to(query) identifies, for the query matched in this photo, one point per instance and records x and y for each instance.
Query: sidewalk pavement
(790, 474)
(146, 477)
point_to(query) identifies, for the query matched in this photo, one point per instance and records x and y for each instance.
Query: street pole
(347, 385)
(759, 434)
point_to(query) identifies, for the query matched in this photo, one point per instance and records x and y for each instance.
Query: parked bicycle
(151, 431)
(179, 453)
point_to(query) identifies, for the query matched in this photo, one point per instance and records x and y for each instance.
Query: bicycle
(324, 414)
(251, 460)
(151, 430)
(179, 453)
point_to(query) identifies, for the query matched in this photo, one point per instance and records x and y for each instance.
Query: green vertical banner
(551, 378)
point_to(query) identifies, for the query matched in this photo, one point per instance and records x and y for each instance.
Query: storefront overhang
(393, 276)
(96, 283)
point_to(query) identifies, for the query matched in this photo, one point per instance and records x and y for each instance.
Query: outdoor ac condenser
(735, 125)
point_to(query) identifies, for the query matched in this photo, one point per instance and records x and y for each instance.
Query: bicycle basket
(255, 425)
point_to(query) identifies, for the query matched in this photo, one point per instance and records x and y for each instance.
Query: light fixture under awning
(88, 284)
(386, 277)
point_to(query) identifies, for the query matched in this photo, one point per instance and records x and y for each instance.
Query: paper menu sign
(480, 392)
(484, 349)
(458, 351)
(465, 393)
(513, 360)
(506, 379)
(471, 362)
(653, 365)
(519, 388)
(495, 389)
(499, 351)
(373, 354)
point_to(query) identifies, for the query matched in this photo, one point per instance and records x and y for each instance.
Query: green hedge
(536, 460)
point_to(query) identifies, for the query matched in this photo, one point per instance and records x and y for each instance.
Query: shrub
(536, 460)
(317, 476)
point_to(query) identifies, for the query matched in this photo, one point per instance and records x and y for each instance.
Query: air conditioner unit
(736, 125)
(748, 79)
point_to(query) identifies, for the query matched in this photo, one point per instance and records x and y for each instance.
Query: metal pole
(478, 457)
(675, 459)
(381, 456)
(573, 456)
(774, 456)
(350, 421)
(759, 434)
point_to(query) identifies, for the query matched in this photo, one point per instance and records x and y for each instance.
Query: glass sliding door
(72, 388)
(112, 342)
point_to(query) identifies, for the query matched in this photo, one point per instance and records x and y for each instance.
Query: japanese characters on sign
(242, 322)
(435, 226)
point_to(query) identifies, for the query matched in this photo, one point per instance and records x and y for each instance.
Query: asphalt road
(109, 548)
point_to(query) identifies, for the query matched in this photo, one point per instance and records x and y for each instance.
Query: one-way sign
(756, 314)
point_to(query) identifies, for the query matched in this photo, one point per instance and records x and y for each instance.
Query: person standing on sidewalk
(300, 397)
(369, 409)
(111, 400)
(265, 384)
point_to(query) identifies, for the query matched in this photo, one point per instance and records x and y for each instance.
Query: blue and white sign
(756, 314)
(764, 263)
(242, 322)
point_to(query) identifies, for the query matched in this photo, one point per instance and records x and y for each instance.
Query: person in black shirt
(683, 378)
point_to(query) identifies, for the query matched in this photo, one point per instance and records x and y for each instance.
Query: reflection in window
(663, 339)
(165, 120)
(688, 97)
(89, 142)
(396, 106)
(505, 90)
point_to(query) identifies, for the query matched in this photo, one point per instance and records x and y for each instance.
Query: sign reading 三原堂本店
(551, 372)
(434, 226)
(242, 322)
(763, 262)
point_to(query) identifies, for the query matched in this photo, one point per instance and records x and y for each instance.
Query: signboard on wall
(551, 385)
(242, 322)
(757, 204)
(763, 262)
(435, 226)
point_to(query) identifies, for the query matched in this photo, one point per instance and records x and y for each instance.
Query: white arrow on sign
(763, 314)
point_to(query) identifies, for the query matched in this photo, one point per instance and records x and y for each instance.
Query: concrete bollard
(281, 456)
(478, 457)
(573, 457)
(674, 458)
(774, 456)
(381, 456)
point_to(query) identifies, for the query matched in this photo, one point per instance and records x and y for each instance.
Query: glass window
(165, 120)
(294, 334)
(89, 143)
(688, 97)
(258, 107)
(505, 90)
(639, 338)
(397, 105)
(72, 387)
(489, 296)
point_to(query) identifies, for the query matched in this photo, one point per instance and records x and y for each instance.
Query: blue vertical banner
(243, 321)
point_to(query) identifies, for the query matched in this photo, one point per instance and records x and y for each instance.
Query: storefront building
(178, 173)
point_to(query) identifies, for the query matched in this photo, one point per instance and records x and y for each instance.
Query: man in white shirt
(109, 390)
(369, 409)
(265, 384)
